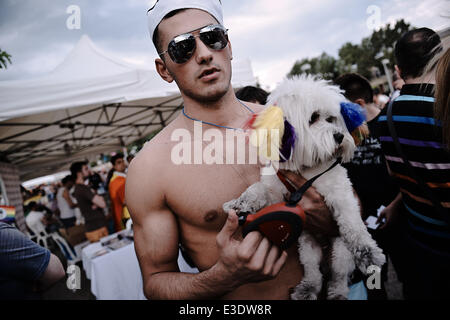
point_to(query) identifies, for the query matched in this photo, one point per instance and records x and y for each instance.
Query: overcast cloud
(272, 34)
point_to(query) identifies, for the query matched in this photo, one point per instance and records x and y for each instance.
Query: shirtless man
(171, 204)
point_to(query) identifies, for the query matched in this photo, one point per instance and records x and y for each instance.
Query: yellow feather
(268, 130)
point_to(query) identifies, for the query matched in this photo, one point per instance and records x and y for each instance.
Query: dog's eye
(331, 119)
(314, 117)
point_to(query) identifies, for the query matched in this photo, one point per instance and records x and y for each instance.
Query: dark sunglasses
(182, 47)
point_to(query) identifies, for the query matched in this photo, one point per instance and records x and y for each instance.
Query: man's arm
(391, 212)
(52, 273)
(156, 244)
(23, 259)
(68, 199)
(121, 193)
(99, 201)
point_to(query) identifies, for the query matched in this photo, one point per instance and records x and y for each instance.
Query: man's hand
(251, 259)
(318, 217)
(390, 213)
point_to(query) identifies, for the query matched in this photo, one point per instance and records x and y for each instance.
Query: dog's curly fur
(312, 106)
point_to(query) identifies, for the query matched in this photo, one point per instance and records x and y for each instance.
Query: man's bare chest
(196, 193)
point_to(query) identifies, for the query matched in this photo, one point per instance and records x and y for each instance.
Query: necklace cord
(217, 125)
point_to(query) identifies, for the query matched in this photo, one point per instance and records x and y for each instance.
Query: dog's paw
(239, 205)
(366, 257)
(230, 205)
(305, 291)
(247, 202)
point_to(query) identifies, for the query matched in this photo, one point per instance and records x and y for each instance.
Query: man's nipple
(211, 215)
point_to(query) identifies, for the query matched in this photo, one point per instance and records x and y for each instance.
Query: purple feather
(288, 141)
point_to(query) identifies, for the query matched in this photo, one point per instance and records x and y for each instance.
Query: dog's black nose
(338, 137)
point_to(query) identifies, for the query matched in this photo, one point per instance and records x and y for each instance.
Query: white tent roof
(91, 103)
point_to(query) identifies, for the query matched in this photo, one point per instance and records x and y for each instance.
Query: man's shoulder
(158, 149)
(153, 152)
(4, 227)
(150, 162)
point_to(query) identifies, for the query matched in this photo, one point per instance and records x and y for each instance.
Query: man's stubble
(208, 99)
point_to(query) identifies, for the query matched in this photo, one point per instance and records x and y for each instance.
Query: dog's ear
(355, 121)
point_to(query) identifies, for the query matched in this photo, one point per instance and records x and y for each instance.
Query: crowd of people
(413, 227)
(400, 173)
(84, 197)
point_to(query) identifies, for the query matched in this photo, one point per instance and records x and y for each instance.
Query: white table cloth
(116, 275)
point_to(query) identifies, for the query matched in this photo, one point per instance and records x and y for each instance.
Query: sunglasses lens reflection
(182, 51)
(215, 39)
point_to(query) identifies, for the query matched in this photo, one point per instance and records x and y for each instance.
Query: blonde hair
(442, 96)
(440, 66)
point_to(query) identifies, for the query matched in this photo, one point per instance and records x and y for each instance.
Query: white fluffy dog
(313, 108)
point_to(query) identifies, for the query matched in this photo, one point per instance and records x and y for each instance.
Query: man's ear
(361, 102)
(162, 70)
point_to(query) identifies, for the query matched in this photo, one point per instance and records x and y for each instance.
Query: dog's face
(313, 108)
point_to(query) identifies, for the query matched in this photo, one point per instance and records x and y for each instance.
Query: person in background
(40, 217)
(91, 205)
(442, 96)
(51, 198)
(252, 94)
(424, 178)
(397, 83)
(367, 170)
(129, 159)
(26, 269)
(96, 182)
(116, 189)
(65, 203)
(379, 98)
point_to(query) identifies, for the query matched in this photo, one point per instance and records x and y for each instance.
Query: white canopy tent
(91, 103)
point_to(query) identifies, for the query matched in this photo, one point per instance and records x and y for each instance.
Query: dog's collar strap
(286, 183)
(298, 194)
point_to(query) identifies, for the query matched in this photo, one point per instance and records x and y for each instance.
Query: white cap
(163, 7)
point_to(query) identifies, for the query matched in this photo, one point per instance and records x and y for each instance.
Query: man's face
(190, 76)
(85, 171)
(120, 165)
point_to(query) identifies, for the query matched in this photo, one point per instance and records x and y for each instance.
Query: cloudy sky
(272, 34)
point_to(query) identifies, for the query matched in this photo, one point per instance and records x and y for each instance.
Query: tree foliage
(4, 58)
(358, 58)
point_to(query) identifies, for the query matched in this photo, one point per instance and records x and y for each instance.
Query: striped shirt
(420, 136)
